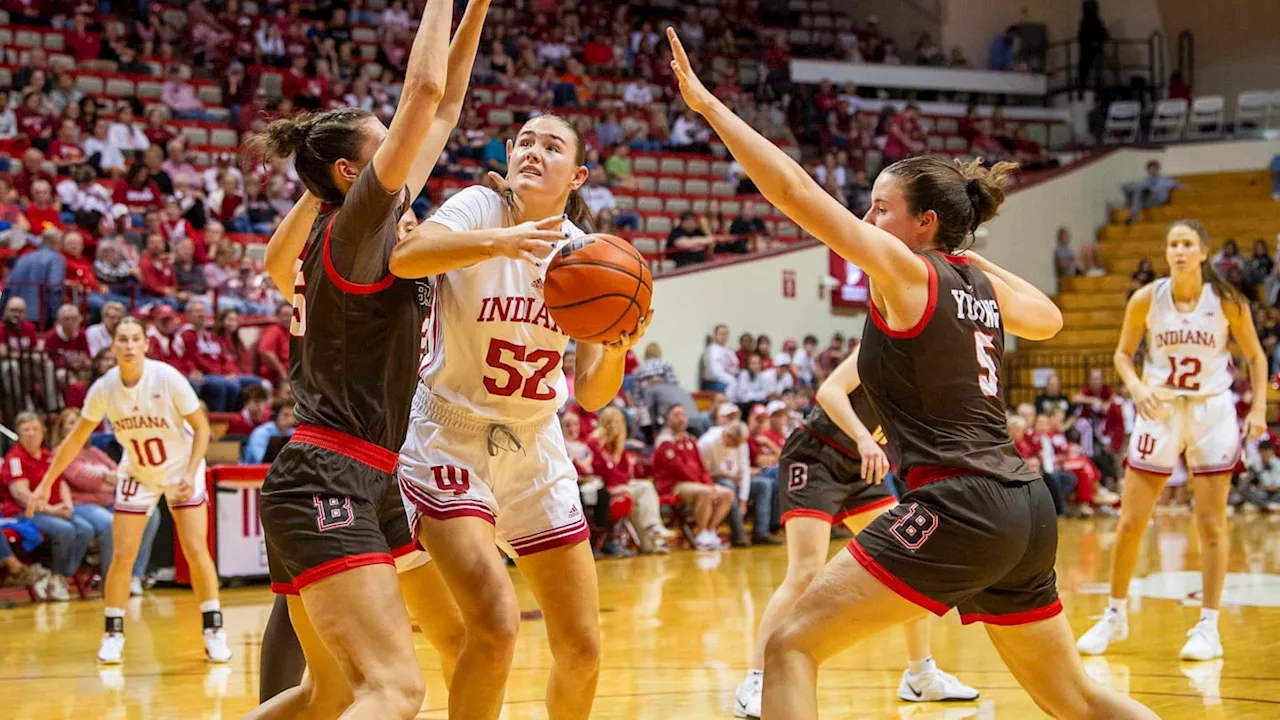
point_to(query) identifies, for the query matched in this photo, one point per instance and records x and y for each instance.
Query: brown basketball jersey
(821, 424)
(936, 386)
(358, 331)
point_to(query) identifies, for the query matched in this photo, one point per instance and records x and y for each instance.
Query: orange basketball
(598, 287)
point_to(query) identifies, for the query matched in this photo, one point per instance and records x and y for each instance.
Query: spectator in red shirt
(256, 411)
(17, 333)
(32, 170)
(158, 279)
(234, 352)
(1094, 397)
(138, 192)
(68, 533)
(162, 338)
(34, 119)
(79, 277)
(82, 44)
(611, 462)
(66, 150)
(273, 347)
(906, 138)
(678, 470)
(43, 214)
(201, 353)
(66, 343)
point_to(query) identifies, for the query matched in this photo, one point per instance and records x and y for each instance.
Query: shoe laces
(1202, 629)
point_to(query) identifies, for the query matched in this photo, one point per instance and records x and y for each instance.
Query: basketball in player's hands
(597, 288)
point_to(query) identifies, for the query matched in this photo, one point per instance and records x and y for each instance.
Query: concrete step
(1069, 301)
(1106, 283)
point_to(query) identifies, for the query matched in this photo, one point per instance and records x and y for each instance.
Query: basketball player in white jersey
(1185, 410)
(484, 460)
(158, 420)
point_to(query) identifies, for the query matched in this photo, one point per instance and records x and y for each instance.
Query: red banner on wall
(854, 290)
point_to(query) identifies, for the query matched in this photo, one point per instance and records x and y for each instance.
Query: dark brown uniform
(977, 530)
(821, 472)
(330, 501)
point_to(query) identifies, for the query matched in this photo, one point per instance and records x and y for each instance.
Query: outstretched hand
(499, 182)
(695, 94)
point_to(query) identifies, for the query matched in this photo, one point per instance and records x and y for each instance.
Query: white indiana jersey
(1187, 352)
(148, 419)
(491, 346)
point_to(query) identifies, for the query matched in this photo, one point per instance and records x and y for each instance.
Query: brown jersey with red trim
(357, 330)
(936, 387)
(821, 424)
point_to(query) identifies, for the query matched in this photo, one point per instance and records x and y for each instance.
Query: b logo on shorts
(334, 511)
(915, 527)
(797, 477)
(452, 479)
(128, 488)
(1145, 446)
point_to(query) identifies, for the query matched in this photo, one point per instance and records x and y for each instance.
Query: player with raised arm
(484, 461)
(977, 529)
(328, 504)
(1186, 410)
(158, 420)
(831, 471)
(428, 603)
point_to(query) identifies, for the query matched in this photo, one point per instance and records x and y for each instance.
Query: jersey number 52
(511, 380)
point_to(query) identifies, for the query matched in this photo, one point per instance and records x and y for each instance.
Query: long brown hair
(1225, 290)
(315, 141)
(963, 195)
(575, 208)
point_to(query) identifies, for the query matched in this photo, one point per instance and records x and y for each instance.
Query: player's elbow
(422, 91)
(405, 262)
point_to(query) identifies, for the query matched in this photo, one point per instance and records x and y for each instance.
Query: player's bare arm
(833, 396)
(424, 86)
(199, 447)
(1240, 320)
(62, 457)
(287, 242)
(785, 184)
(462, 55)
(601, 367)
(1131, 332)
(433, 249)
(1027, 312)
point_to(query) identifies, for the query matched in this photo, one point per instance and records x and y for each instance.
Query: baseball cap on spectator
(788, 346)
(727, 409)
(781, 359)
(774, 406)
(758, 411)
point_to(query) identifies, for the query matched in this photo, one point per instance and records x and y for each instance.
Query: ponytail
(578, 212)
(315, 142)
(1225, 290)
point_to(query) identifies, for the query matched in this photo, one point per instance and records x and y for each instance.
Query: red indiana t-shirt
(65, 351)
(20, 465)
(42, 219)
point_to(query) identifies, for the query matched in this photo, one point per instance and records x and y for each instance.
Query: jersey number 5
(298, 327)
(989, 377)
(529, 387)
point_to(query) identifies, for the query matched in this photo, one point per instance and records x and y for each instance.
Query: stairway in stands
(1231, 205)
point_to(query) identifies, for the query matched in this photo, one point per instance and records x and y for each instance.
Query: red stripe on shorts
(889, 579)
(1018, 618)
(362, 451)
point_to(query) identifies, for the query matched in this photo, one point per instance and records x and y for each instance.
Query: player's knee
(492, 634)
(578, 652)
(1130, 525)
(787, 639)
(1212, 530)
(400, 694)
(802, 574)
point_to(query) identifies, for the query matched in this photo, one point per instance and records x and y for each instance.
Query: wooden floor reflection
(677, 631)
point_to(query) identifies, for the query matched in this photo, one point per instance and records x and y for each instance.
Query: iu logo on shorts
(797, 477)
(915, 527)
(128, 488)
(1146, 445)
(334, 511)
(452, 479)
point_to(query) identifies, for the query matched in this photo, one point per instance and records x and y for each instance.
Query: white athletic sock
(113, 612)
(1211, 616)
(917, 667)
(210, 606)
(1120, 605)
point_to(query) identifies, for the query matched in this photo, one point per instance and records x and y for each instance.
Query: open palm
(696, 95)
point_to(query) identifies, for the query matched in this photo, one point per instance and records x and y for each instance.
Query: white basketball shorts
(517, 477)
(140, 497)
(1201, 429)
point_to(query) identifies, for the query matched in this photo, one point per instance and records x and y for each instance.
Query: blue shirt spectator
(1003, 54)
(46, 266)
(255, 449)
(1152, 191)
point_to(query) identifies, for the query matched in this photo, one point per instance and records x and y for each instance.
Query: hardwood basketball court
(677, 631)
